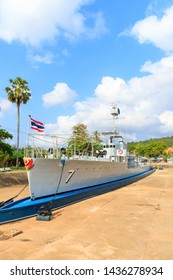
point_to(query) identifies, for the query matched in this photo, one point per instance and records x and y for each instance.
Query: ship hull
(49, 176)
(27, 207)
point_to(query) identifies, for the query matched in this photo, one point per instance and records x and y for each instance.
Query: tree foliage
(6, 150)
(18, 93)
(150, 148)
(81, 142)
(5, 135)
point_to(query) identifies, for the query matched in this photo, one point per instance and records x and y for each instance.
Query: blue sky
(81, 56)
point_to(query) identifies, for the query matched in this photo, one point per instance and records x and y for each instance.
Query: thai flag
(39, 126)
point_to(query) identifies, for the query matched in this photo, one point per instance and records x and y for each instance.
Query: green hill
(155, 147)
(167, 140)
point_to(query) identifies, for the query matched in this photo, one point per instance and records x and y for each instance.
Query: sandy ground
(134, 222)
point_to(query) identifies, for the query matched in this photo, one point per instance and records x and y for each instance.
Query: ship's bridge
(115, 148)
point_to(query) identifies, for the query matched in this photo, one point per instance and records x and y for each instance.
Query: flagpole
(28, 133)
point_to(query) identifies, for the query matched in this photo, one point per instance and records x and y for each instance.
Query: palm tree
(18, 93)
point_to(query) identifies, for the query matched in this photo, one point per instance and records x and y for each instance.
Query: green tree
(5, 135)
(131, 147)
(6, 150)
(150, 148)
(140, 149)
(81, 142)
(97, 141)
(156, 148)
(18, 93)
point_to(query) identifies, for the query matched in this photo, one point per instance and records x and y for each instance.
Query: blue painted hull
(25, 208)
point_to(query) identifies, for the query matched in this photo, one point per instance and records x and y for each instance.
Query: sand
(131, 223)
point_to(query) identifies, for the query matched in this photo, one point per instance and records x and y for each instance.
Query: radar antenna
(115, 111)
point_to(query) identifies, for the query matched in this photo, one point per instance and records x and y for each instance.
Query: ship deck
(131, 223)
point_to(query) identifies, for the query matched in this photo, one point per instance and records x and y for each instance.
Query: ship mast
(115, 112)
(115, 147)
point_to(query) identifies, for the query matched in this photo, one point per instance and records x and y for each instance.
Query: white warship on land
(112, 164)
(54, 183)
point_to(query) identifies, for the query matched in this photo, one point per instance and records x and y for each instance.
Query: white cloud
(143, 102)
(47, 58)
(156, 30)
(5, 104)
(36, 21)
(62, 128)
(166, 119)
(60, 95)
(164, 65)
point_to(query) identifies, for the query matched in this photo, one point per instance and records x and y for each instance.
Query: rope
(3, 203)
(20, 191)
(48, 210)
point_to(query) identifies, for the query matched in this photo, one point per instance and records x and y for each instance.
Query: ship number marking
(71, 174)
